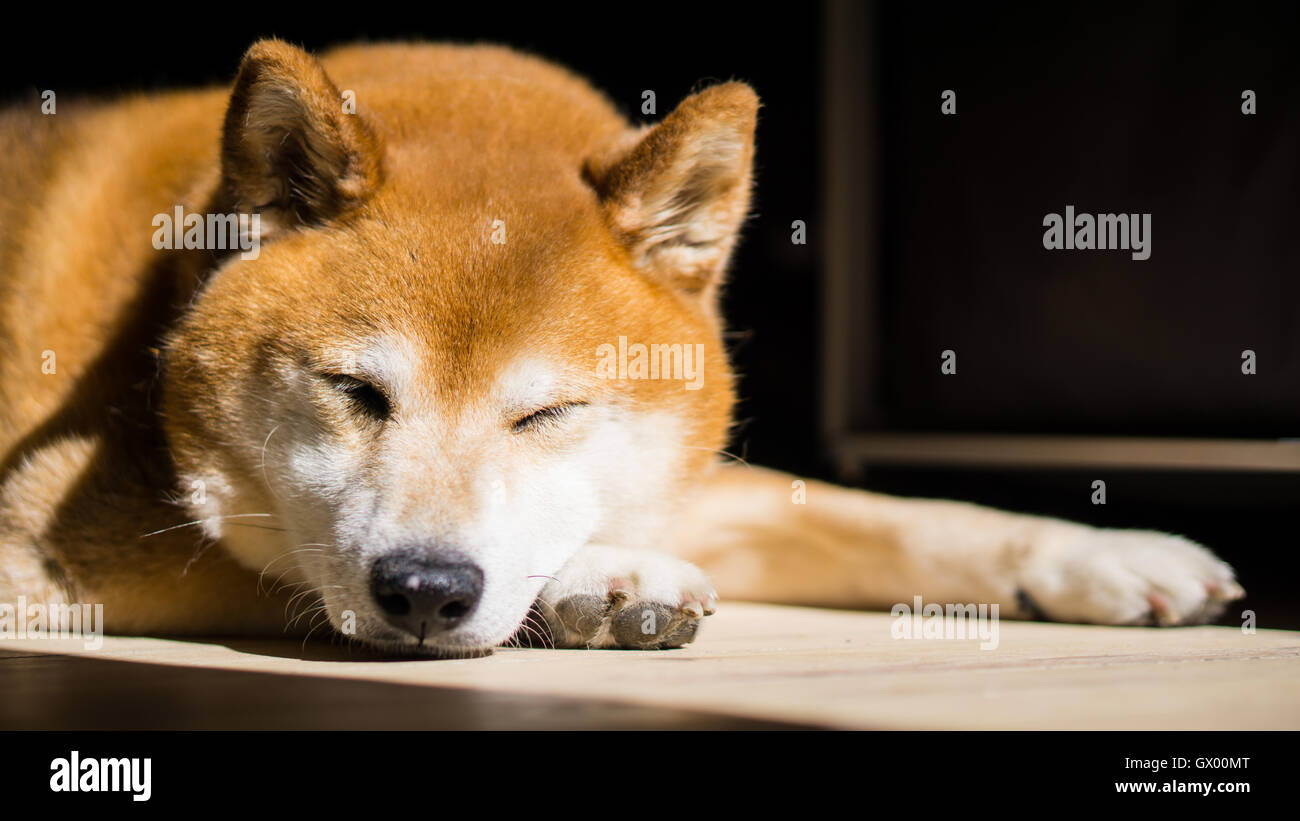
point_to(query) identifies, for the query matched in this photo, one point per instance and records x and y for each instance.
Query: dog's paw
(1125, 577)
(624, 598)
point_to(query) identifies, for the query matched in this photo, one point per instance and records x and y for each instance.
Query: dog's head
(481, 332)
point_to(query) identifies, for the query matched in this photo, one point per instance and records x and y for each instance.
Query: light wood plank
(839, 669)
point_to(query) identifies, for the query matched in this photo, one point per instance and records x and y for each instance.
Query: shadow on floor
(53, 692)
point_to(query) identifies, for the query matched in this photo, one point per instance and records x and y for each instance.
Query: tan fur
(169, 362)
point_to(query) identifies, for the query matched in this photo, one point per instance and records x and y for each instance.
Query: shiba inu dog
(470, 379)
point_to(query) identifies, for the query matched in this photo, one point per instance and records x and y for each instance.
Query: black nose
(425, 592)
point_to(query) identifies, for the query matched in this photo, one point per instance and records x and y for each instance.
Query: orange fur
(459, 136)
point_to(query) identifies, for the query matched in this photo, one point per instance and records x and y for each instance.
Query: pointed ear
(676, 197)
(289, 150)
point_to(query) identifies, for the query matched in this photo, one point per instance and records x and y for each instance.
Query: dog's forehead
(501, 338)
(518, 291)
(477, 273)
(536, 229)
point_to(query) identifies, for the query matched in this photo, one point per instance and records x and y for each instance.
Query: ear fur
(289, 150)
(677, 193)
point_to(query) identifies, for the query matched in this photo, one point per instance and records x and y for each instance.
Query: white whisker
(209, 519)
(266, 478)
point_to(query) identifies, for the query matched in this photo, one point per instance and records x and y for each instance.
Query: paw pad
(621, 620)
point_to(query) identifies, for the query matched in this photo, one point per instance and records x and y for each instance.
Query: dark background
(1111, 108)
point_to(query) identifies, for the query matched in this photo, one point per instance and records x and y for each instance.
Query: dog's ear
(289, 149)
(677, 195)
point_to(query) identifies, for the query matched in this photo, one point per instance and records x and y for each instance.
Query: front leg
(611, 597)
(766, 536)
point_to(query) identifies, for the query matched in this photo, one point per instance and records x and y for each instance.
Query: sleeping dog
(456, 370)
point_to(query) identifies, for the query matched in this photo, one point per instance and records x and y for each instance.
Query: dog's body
(398, 410)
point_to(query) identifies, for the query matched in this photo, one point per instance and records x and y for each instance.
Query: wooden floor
(753, 666)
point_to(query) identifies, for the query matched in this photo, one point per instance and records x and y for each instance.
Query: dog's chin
(393, 644)
(426, 650)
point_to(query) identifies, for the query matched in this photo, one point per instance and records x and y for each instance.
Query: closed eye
(365, 397)
(543, 416)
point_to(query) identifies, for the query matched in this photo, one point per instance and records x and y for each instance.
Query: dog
(460, 379)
